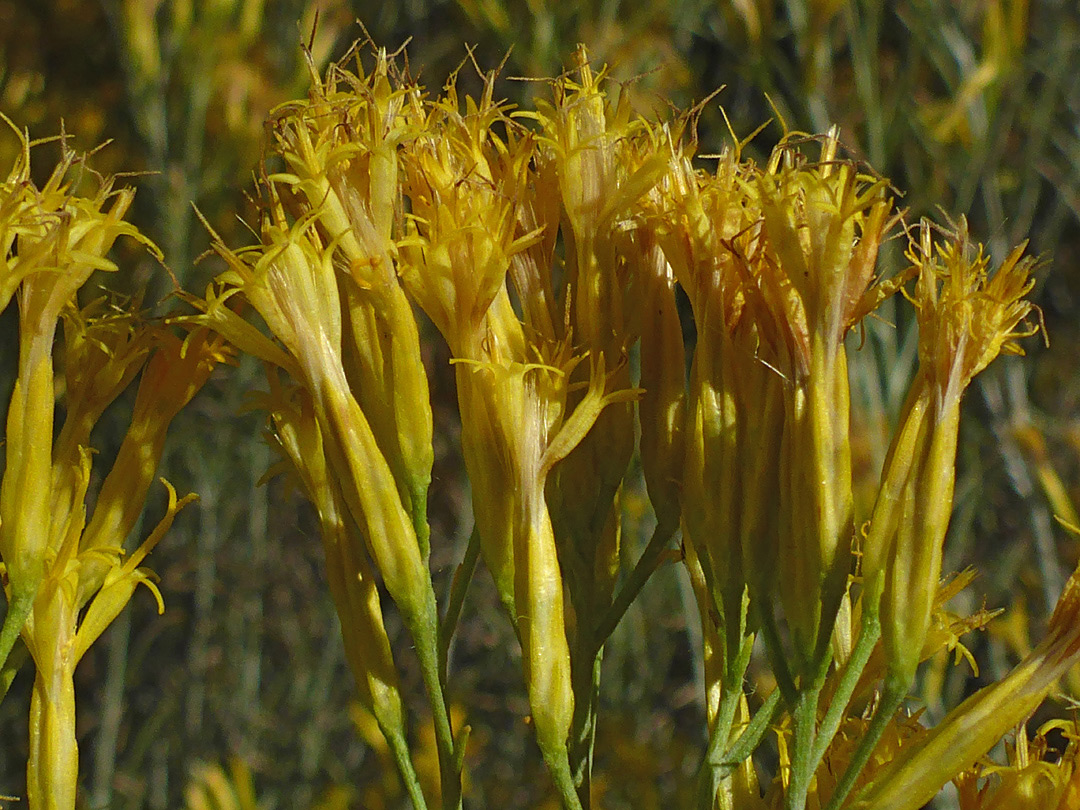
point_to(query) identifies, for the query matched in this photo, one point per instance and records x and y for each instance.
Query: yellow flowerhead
(1036, 778)
(52, 241)
(463, 228)
(709, 227)
(966, 318)
(604, 160)
(290, 281)
(340, 147)
(822, 225)
(295, 433)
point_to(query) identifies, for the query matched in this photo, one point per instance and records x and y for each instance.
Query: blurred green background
(968, 106)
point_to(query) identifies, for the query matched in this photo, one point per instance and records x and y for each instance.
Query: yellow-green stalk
(340, 148)
(966, 318)
(967, 732)
(293, 282)
(52, 240)
(822, 227)
(351, 578)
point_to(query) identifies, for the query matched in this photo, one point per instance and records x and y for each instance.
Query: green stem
(424, 631)
(459, 587)
(893, 694)
(804, 726)
(751, 737)
(559, 767)
(399, 749)
(646, 565)
(10, 668)
(585, 789)
(18, 610)
(585, 674)
(708, 776)
(586, 666)
(869, 634)
(804, 730)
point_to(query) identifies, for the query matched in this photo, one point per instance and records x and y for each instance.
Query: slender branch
(10, 668)
(869, 634)
(586, 739)
(18, 610)
(804, 723)
(424, 632)
(399, 749)
(804, 730)
(585, 663)
(892, 696)
(590, 653)
(559, 768)
(751, 737)
(459, 587)
(646, 565)
(708, 776)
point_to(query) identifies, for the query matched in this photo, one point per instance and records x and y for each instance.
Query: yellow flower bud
(352, 581)
(822, 227)
(605, 160)
(291, 282)
(341, 151)
(105, 346)
(707, 226)
(965, 320)
(460, 239)
(52, 242)
(26, 489)
(462, 232)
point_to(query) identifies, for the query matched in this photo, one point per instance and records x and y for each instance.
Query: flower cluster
(547, 247)
(66, 573)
